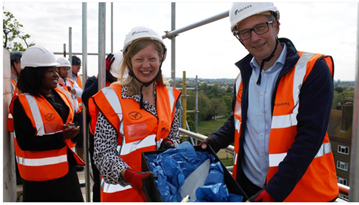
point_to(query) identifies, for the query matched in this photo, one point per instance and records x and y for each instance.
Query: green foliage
(228, 101)
(339, 97)
(218, 107)
(12, 34)
(339, 89)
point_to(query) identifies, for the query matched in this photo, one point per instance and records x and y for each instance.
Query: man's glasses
(259, 29)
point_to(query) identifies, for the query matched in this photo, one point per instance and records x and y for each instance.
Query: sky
(209, 51)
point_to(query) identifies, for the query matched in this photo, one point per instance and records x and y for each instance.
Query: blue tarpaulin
(173, 166)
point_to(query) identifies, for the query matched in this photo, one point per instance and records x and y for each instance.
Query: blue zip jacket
(315, 97)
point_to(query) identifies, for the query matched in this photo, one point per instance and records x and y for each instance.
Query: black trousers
(96, 195)
(248, 187)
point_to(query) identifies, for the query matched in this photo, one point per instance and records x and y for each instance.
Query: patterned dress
(105, 149)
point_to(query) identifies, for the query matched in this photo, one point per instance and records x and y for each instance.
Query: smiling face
(50, 78)
(145, 63)
(260, 46)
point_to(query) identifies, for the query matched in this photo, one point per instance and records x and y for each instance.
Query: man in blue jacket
(281, 108)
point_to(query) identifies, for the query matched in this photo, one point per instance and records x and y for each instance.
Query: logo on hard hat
(137, 32)
(240, 10)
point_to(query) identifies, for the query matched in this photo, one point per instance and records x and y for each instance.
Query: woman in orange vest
(136, 114)
(45, 132)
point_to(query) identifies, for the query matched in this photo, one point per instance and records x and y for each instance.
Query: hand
(109, 60)
(73, 91)
(261, 196)
(68, 88)
(209, 141)
(69, 131)
(139, 181)
(166, 144)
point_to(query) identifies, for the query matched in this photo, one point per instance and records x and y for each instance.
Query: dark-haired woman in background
(45, 132)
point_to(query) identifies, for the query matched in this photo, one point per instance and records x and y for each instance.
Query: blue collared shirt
(256, 159)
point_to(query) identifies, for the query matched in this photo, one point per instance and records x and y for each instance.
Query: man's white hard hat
(242, 10)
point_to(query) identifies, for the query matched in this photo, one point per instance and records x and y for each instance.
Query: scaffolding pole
(84, 121)
(198, 24)
(111, 27)
(354, 160)
(70, 52)
(101, 45)
(173, 44)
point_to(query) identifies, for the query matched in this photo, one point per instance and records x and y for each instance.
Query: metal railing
(342, 188)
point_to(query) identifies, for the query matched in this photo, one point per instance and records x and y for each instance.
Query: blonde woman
(136, 114)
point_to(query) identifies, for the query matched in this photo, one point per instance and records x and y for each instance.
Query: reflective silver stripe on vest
(238, 82)
(127, 148)
(284, 121)
(275, 159)
(238, 105)
(171, 96)
(111, 188)
(68, 95)
(36, 114)
(235, 158)
(112, 98)
(41, 161)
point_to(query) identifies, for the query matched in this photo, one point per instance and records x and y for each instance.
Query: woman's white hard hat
(242, 10)
(38, 56)
(140, 32)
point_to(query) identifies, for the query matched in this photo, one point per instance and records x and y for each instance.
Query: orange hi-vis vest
(79, 99)
(319, 182)
(138, 131)
(91, 128)
(10, 120)
(50, 164)
(74, 102)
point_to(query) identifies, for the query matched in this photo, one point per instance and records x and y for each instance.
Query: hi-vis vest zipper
(44, 165)
(138, 131)
(319, 182)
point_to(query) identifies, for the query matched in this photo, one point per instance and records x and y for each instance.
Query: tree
(218, 107)
(339, 89)
(12, 33)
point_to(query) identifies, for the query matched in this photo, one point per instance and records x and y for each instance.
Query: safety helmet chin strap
(130, 73)
(13, 66)
(266, 60)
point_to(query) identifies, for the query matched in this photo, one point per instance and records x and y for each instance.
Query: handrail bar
(201, 137)
(342, 188)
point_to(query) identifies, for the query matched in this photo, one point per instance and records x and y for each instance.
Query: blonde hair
(133, 85)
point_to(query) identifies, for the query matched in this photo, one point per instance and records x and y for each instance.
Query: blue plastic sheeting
(173, 166)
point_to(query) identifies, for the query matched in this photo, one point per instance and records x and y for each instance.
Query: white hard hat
(63, 62)
(38, 56)
(242, 10)
(141, 32)
(116, 65)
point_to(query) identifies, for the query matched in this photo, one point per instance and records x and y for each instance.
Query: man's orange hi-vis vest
(79, 99)
(44, 165)
(138, 131)
(319, 182)
(75, 102)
